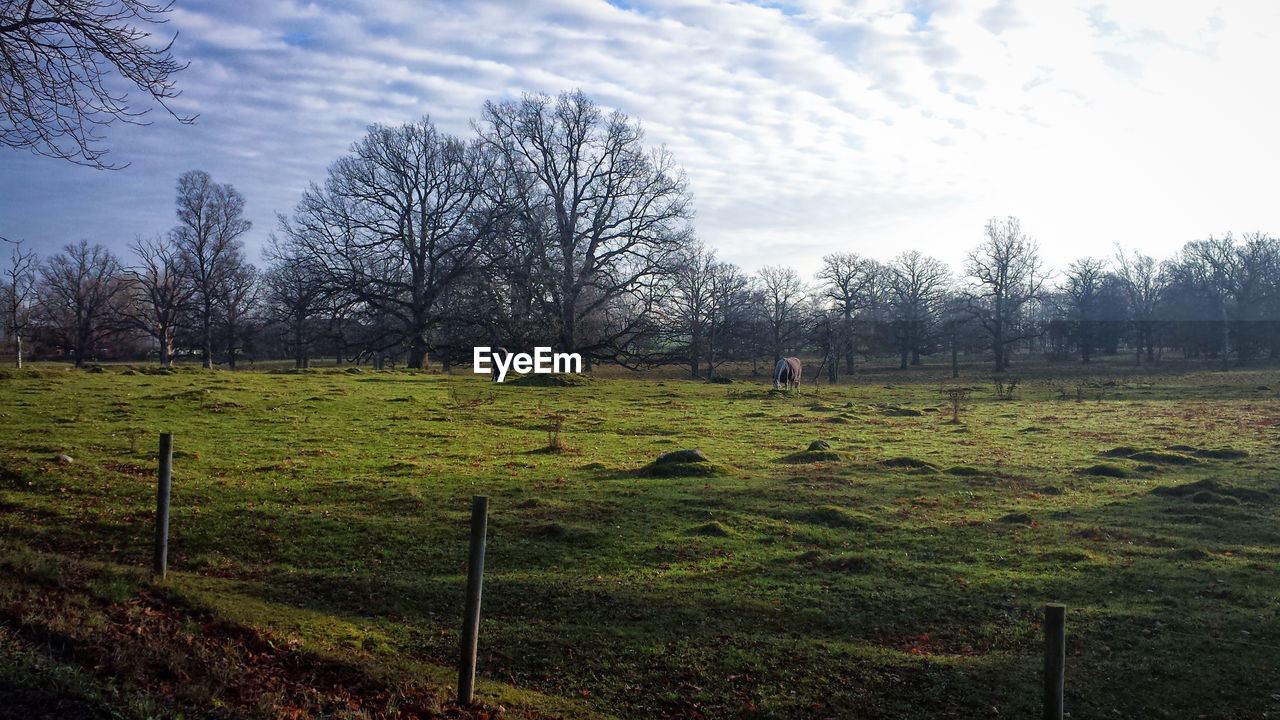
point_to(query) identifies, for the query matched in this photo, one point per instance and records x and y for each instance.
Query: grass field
(319, 532)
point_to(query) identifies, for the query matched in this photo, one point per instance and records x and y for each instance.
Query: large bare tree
(160, 292)
(64, 67)
(917, 284)
(78, 292)
(613, 213)
(1005, 274)
(1084, 290)
(1143, 283)
(848, 282)
(783, 307)
(18, 286)
(399, 220)
(210, 223)
(297, 297)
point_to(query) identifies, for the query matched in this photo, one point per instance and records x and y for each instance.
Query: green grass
(330, 509)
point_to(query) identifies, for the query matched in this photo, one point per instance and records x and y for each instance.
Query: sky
(805, 127)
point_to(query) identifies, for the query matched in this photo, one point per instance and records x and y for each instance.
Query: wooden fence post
(163, 481)
(471, 614)
(1055, 659)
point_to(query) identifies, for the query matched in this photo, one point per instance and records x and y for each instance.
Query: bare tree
(210, 223)
(783, 309)
(613, 213)
(727, 316)
(1005, 271)
(237, 305)
(916, 284)
(160, 292)
(59, 60)
(1085, 290)
(77, 294)
(690, 304)
(296, 296)
(1143, 283)
(848, 282)
(18, 285)
(398, 220)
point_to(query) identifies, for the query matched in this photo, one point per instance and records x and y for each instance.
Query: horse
(498, 352)
(787, 372)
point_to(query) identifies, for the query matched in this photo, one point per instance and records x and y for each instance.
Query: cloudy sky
(805, 127)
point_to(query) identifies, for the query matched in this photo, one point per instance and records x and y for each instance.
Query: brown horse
(787, 373)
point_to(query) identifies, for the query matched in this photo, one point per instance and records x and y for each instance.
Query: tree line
(554, 224)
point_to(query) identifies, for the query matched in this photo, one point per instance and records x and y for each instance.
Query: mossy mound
(682, 456)
(563, 533)
(1222, 454)
(683, 463)
(851, 563)
(963, 471)
(901, 412)
(550, 380)
(1161, 457)
(830, 516)
(909, 463)
(715, 528)
(1107, 470)
(818, 445)
(1016, 519)
(1212, 492)
(838, 420)
(808, 456)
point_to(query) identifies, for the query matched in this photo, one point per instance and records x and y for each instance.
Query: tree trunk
(955, 356)
(1226, 339)
(417, 352)
(19, 339)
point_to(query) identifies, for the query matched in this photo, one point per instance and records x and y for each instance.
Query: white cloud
(819, 126)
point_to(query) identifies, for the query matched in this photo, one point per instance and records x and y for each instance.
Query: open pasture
(319, 525)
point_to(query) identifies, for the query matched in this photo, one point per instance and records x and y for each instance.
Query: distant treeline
(555, 225)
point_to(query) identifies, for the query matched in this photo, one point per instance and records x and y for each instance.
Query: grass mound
(1107, 470)
(852, 563)
(808, 456)
(550, 380)
(1212, 492)
(1163, 458)
(715, 528)
(683, 463)
(909, 463)
(1016, 519)
(830, 516)
(963, 471)
(1222, 454)
(894, 411)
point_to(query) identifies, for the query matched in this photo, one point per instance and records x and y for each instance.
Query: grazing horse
(787, 373)
(498, 352)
